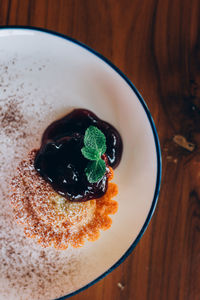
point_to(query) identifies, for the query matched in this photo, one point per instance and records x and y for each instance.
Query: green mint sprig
(94, 148)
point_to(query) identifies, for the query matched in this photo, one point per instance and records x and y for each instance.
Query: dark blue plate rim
(156, 140)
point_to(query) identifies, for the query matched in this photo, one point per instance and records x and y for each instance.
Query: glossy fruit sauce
(60, 161)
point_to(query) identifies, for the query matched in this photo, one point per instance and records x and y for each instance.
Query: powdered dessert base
(52, 219)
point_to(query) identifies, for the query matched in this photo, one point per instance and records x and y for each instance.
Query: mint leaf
(95, 170)
(95, 147)
(91, 154)
(95, 139)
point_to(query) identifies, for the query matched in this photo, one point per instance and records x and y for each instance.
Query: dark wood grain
(157, 45)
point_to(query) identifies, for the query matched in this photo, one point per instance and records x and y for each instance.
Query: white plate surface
(42, 77)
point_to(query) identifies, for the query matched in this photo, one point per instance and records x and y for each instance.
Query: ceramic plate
(43, 75)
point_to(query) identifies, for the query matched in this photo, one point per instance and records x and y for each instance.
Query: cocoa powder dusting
(28, 271)
(11, 117)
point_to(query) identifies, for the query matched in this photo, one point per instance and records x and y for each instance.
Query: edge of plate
(156, 140)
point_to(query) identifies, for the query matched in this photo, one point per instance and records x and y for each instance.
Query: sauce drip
(60, 161)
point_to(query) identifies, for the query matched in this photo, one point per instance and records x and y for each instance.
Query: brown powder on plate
(11, 117)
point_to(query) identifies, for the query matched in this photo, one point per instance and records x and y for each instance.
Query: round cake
(52, 219)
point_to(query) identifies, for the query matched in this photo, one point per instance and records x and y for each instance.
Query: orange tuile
(110, 174)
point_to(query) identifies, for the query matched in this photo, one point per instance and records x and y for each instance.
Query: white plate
(42, 76)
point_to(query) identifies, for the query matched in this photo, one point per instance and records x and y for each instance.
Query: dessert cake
(62, 193)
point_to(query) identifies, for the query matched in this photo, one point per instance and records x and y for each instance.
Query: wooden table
(157, 45)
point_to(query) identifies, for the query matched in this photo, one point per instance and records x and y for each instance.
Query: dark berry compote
(60, 161)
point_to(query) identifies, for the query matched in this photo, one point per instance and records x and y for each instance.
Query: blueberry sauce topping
(60, 161)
